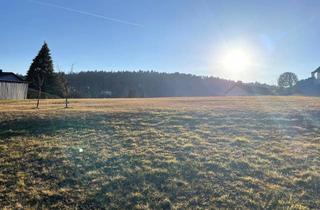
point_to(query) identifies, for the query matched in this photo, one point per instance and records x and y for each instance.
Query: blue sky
(190, 36)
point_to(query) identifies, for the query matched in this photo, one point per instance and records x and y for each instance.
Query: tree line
(101, 84)
(46, 83)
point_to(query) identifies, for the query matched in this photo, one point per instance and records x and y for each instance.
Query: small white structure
(237, 90)
(12, 86)
(316, 74)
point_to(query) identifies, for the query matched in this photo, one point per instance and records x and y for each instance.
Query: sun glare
(236, 60)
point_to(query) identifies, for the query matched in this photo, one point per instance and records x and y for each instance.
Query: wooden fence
(12, 90)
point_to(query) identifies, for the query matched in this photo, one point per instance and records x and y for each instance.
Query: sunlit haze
(240, 40)
(235, 62)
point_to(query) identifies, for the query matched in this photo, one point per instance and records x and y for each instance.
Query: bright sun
(236, 59)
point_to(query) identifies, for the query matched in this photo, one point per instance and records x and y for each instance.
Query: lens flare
(236, 59)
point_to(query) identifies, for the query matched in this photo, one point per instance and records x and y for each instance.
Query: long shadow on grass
(50, 126)
(38, 126)
(35, 126)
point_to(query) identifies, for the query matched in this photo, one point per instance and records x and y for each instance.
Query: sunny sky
(241, 40)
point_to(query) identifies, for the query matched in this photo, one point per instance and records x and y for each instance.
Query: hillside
(308, 87)
(100, 84)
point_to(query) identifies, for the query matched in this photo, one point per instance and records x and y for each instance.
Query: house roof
(317, 70)
(250, 89)
(241, 86)
(10, 77)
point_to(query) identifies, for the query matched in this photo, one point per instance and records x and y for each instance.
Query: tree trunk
(66, 103)
(39, 96)
(40, 83)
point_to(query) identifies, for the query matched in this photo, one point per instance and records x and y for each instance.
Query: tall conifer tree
(41, 70)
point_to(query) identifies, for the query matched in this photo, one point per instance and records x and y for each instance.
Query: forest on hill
(102, 84)
(45, 83)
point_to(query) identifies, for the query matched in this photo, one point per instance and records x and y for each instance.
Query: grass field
(178, 153)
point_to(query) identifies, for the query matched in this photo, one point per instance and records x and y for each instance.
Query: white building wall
(11, 90)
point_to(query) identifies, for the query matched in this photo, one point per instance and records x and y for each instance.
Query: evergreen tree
(40, 72)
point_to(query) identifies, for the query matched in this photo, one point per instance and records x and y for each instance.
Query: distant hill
(101, 84)
(308, 87)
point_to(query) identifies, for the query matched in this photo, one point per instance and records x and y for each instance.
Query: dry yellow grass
(165, 153)
(262, 103)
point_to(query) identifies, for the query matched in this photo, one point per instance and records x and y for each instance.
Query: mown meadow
(168, 153)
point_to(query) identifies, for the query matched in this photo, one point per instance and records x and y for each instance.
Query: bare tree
(64, 86)
(287, 80)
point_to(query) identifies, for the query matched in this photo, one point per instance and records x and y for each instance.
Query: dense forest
(101, 84)
(140, 84)
(45, 83)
